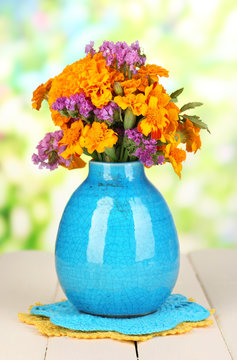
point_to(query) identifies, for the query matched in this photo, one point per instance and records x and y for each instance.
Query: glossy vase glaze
(117, 251)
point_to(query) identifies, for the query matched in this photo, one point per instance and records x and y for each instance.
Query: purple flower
(76, 103)
(134, 135)
(121, 52)
(160, 160)
(85, 107)
(70, 104)
(49, 151)
(150, 145)
(146, 150)
(144, 156)
(89, 48)
(59, 104)
(108, 49)
(106, 112)
(135, 45)
(132, 58)
(83, 104)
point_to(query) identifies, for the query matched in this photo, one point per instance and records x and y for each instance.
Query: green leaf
(161, 143)
(197, 122)
(73, 114)
(93, 155)
(125, 156)
(174, 100)
(64, 112)
(120, 115)
(117, 151)
(132, 158)
(110, 151)
(191, 117)
(190, 105)
(86, 152)
(176, 93)
(159, 153)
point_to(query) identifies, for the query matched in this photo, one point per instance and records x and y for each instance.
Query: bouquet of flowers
(111, 106)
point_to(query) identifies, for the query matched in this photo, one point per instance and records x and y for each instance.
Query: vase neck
(115, 172)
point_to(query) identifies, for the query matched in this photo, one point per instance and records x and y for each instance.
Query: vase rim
(137, 162)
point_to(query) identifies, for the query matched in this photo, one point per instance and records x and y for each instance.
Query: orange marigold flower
(59, 119)
(97, 137)
(173, 111)
(159, 92)
(136, 102)
(40, 94)
(89, 75)
(176, 157)
(161, 119)
(100, 96)
(190, 136)
(155, 120)
(173, 117)
(130, 86)
(71, 138)
(144, 81)
(96, 81)
(76, 163)
(115, 75)
(153, 71)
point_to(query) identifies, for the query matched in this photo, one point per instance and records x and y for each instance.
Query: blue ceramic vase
(117, 251)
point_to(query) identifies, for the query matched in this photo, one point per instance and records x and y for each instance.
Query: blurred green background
(195, 40)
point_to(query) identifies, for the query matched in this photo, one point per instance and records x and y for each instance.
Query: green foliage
(197, 122)
(190, 105)
(111, 153)
(174, 95)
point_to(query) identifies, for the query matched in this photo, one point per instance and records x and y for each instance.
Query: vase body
(117, 251)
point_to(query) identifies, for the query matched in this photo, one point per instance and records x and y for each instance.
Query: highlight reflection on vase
(117, 251)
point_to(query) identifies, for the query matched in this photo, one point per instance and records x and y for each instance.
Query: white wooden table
(209, 276)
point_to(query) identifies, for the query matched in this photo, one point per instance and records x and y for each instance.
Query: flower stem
(100, 157)
(121, 153)
(125, 156)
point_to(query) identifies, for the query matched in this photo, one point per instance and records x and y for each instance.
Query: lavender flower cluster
(107, 111)
(121, 52)
(74, 103)
(146, 148)
(78, 104)
(49, 151)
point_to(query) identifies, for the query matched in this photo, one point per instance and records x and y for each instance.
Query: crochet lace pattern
(177, 315)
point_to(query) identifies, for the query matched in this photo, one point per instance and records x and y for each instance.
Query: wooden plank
(97, 349)
(217, 271)
(25, 277)
(199, 344)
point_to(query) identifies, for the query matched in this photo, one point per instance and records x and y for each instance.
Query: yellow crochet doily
(45, 327)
